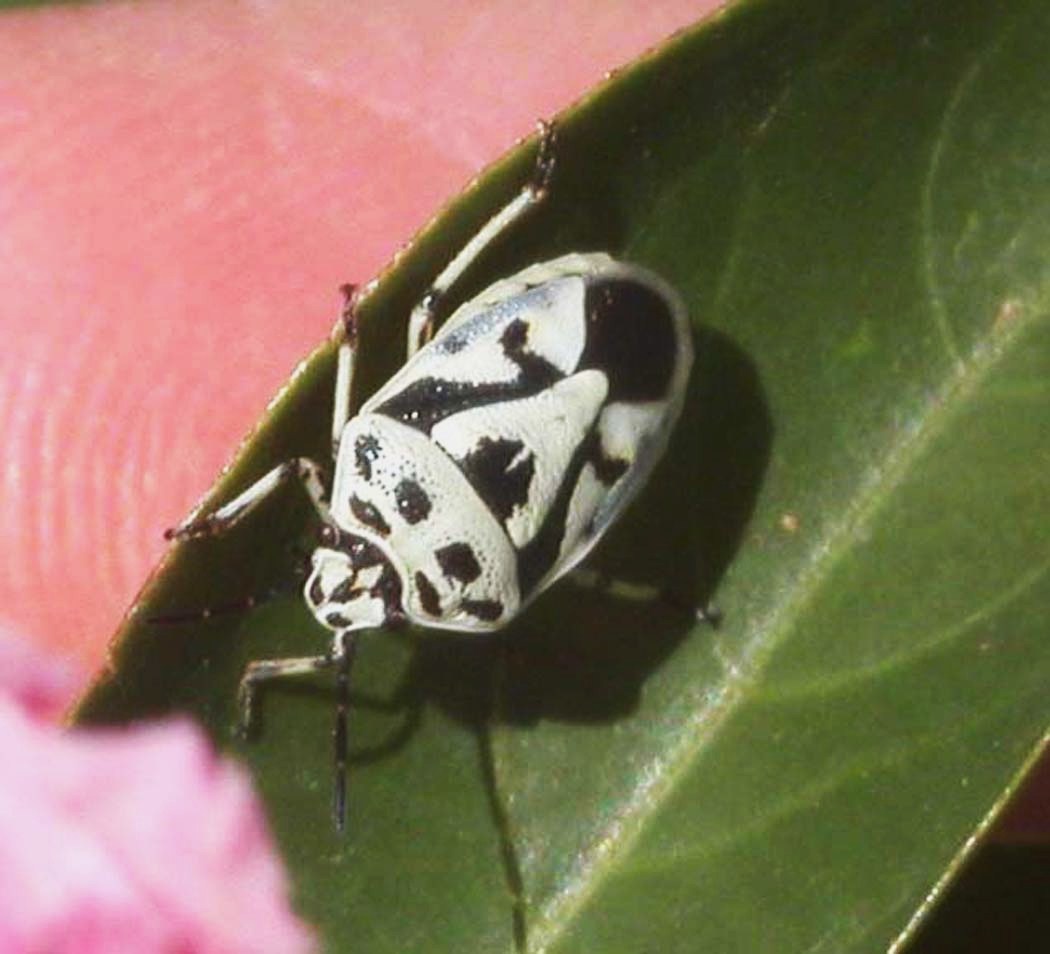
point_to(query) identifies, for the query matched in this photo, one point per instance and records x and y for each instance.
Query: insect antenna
(241, 604)
(339, 733)
(229, 608)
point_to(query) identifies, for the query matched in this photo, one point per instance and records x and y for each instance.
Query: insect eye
(327, 535)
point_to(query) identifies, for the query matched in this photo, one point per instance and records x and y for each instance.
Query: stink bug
(493, 461)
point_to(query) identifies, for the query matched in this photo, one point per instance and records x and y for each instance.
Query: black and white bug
(493, 461)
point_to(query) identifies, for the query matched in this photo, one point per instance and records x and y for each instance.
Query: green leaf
(854, 198)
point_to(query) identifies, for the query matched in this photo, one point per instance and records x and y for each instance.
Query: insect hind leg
(421, 321)
(625, 589)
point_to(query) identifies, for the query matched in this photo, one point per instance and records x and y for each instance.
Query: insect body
(498, 456)
(494, 460)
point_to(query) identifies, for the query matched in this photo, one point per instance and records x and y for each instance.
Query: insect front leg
(298, 468)
(263, 670)
(421, 322)
(339, 657)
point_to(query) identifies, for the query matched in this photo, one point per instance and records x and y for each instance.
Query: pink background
(183, 187)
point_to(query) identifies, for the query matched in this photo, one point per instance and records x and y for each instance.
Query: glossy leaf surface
(854, 199)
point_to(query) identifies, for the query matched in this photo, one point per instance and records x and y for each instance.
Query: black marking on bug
(338, 620)
(631, 338)
(534, 368)
(539, 554)
(499, 475)
(362, 552)
(428, 595)
(388, 589)
(369, 515)
(458, 562)
(607, 469)
(344, 592)
(316, 593)
(366, 450)
(428, 401)
(412, 501)
(487, 610)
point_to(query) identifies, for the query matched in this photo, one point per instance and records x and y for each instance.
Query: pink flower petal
(136, 840)
(43, 686)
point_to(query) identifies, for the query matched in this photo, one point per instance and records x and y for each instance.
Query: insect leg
(421, 322)
(625, 589)
(340, 658)
(339, 733)
(299, 468)
(263, 670)
(344, 374)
